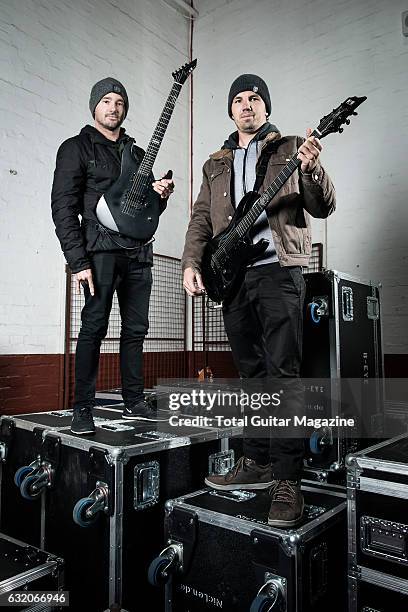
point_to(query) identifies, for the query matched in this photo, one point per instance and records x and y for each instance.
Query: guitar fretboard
(159, 132)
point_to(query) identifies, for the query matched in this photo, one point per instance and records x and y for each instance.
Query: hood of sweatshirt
(264, 130)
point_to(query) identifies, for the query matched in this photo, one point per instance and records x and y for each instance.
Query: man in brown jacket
(263, 319)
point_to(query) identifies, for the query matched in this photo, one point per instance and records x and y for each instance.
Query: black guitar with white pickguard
(130, 206)
(227, 254)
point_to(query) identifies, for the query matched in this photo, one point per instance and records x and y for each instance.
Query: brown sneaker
(287, 503)
(245, 474)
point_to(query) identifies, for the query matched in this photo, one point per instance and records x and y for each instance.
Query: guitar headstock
(181, 75)
(339, 116)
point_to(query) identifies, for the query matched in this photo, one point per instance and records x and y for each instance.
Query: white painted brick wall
(313, 55)
(51, 54)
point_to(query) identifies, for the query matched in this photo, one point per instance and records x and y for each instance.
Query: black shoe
(287, 503)
(82, 420)
(141, 411)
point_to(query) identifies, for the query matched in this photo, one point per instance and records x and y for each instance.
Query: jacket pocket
(215, 174)
(220, 189)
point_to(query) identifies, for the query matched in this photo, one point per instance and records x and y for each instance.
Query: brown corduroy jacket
(288, 213)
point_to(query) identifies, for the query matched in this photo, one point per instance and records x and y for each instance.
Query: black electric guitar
(130, 206)
(227, 254)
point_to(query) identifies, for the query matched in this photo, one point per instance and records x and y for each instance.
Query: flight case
(220, 553)
(24, 569)
(377, 491)
(100, 497)
(342, 340)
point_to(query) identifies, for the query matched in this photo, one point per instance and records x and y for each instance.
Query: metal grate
(208, 326)
(316, 259)
(164, 346)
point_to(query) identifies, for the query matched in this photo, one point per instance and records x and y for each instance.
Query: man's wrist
(313, 175)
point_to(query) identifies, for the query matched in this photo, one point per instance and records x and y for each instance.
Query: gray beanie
(250, 82)
(103, 87)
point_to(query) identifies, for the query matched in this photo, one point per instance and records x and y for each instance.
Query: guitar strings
(140, 182)
(142, 177)
(250, 217)
(246, 222)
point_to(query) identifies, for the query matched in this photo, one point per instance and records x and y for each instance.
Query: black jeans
(264, 324)
(115, 270)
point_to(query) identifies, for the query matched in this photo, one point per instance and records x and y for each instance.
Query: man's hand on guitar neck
(192, 282)
(165, 186)
(309, 152)
(84, 278)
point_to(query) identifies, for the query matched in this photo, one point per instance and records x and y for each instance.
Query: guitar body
(223, 268)
(121, 210)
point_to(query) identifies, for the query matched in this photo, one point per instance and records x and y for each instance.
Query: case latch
(384, 539)
(146, 485)
(373, 308)
(347, 307)
(220, 463)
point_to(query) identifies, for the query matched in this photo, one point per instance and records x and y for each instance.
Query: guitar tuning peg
(341, 130)
(347, 121)
(355, 113)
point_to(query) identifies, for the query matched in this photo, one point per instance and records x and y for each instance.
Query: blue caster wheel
(79, 512)
(261, 603)
(21, 474)
(313, 312)
(26, 488)
(315, 444)
(155, 575)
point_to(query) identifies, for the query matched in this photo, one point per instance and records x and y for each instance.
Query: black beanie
(250, 82)
(103, 87)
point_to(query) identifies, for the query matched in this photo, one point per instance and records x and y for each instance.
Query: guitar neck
(149, 158)
(252, 215)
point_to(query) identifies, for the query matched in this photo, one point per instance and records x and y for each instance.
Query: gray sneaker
(287, 503)
(245, 474)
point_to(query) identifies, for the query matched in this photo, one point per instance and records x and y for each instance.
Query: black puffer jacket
(87, 165)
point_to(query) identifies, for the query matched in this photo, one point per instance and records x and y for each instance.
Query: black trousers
(114, 270)
(264, 324)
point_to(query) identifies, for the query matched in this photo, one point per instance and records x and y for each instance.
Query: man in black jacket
(103, 261)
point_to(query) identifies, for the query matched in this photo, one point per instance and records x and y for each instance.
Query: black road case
(98, 500)
(342, 340)
(221, 554)
(377, 492)
(23, 447)
(24, 569)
